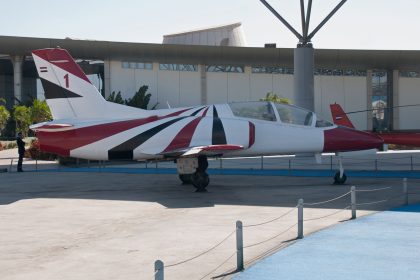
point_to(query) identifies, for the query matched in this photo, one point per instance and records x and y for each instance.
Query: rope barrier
(271, 238)
(275, 219)
(225, 261)
(370, 203)
(328, 215)
(374, 190)
(203, 253)
(326, 201)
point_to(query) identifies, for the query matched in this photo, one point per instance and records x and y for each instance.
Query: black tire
(200, 180)
(185, 178)
(338, 180)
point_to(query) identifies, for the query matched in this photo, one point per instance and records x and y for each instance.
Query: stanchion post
(405, 189)
(221, 163)
(262, 162)
(300, 219)
(159, 270)
(239, 247)
(353, 202)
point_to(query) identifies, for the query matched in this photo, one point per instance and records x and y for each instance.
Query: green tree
(22, 116)
(271, 96)
(40, 112)
(116, 98)
(140, 99)
(4, 117)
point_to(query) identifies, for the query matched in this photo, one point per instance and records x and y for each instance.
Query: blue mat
(382, 246)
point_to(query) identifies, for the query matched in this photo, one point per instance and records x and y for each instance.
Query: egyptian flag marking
(125, 150)
(218, 135)
(43, 69)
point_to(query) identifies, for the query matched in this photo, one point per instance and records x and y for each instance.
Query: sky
(359, 24)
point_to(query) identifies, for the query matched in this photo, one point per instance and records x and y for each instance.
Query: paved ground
(381, 246)
(99, 225)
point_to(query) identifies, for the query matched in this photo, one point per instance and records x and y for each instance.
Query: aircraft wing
(210, 150)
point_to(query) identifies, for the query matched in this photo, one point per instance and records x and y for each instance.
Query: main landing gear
(340, 177)
(193, 171)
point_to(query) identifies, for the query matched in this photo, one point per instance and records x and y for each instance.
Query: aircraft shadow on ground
(271, 191)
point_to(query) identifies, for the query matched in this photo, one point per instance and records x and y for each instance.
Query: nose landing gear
(340, 177)
(193, 171)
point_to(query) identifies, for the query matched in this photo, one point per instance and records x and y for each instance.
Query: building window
(178, 67)
(225, 68)
(137, 65)
(381, 100)
(340, 72)
(409, 74)
(272, 70)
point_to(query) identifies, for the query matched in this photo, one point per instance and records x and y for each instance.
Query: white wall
(409, 94)
(350, 92)
(238, 86)
(217, 87)
(190, 88)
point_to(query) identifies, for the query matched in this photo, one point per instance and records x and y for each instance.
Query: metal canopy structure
(304, 53)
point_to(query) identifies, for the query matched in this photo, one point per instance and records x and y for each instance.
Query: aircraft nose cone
(343, 139)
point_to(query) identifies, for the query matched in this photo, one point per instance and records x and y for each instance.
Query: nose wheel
(200, 179)
(340, 177)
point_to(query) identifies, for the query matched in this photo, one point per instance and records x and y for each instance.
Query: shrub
(34, 152)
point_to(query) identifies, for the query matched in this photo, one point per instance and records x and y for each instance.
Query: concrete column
(17, 62)
(369, 99)
(395, 100)
(203, 83)
(304, 77)
(107, 77)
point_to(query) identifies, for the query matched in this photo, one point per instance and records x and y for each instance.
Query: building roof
(324, 58)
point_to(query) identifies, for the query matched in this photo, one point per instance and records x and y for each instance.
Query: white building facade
(187, 75)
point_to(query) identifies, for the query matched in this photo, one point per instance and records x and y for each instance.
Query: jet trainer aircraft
(395, 137)
(86, 126)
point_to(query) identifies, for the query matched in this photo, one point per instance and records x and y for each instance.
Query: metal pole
(300, 219)
(290, 165)
(36, 164)
(221, 164)
(262, 162)
(239, 247)
(159, 270)
(376, 165)
(353, 202)
(331, 163)
(411, 158)
(405, 189)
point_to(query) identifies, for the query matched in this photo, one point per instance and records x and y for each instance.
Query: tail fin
(339, 117)
(68, 91)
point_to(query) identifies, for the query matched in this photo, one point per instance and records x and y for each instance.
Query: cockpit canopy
(268, 111)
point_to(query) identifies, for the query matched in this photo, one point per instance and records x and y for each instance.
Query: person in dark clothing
(21, 151)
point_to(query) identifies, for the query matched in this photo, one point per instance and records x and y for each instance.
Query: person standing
(21, 151)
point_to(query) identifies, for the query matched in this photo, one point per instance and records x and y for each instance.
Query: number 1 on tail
(66, 78)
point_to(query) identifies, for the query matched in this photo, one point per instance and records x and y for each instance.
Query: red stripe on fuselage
(61, 142)
(62, 59)
(184, 136)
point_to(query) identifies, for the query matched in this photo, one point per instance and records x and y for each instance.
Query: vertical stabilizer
(68, 91)
(339, 116)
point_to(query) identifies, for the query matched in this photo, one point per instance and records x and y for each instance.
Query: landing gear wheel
(185, 178)
(200, 180)
(338, 180)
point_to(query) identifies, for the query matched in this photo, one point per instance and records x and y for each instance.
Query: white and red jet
(87, 126)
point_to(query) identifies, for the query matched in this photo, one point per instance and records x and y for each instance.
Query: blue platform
(380, 246)
(248, 172)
